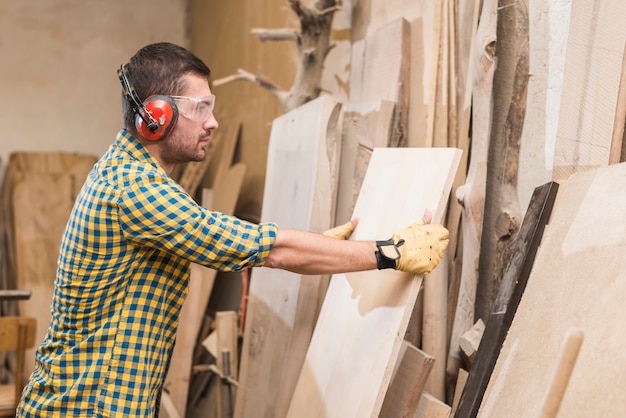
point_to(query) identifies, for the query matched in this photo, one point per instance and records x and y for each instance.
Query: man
(125, 255)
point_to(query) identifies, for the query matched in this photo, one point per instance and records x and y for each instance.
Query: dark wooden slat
(508, 298)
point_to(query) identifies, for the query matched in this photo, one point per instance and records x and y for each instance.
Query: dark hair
(158, 69)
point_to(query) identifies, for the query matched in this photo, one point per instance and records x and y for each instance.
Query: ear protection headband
(155, 116)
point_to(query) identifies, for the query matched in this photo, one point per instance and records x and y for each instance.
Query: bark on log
(502, 214)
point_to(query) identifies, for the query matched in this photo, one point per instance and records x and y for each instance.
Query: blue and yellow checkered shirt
(122, 277)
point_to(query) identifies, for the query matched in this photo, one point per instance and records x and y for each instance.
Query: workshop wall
(58, 78)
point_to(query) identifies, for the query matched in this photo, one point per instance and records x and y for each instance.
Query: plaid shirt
(122, 277)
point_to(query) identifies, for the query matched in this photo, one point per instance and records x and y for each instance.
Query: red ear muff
(163, 112)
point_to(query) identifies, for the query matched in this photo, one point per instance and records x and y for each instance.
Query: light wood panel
(577, 281)
(364, 316)
(593, 67)
(299, 193)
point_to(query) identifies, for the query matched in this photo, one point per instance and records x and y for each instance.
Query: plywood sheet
(300, 187)
(578, 280)
(364, 316)
(590, 86)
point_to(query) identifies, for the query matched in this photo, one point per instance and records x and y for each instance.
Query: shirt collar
(126, 142)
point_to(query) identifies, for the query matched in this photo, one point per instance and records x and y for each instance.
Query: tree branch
(261, 81)
(284, 34)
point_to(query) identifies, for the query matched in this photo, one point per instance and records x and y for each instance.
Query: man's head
(168, 73)
(158, 69)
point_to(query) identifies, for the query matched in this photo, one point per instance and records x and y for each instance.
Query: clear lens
(195, 108)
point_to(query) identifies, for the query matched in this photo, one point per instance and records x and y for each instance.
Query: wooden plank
(617, 153)
(549, 23)
(575, 281)
(510, 293)
(565, 366)
(300, 186)
(222, 199)
(431, 407)
(434, 322)
(426, 29)
(471, 195)
(365, 314)
(227, 342)
(461, 380)
(407, 382)
(365, 125)
(434, 326)
(593, 67)
(380, 71)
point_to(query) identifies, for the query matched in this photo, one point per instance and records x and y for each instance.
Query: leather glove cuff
(386, 254)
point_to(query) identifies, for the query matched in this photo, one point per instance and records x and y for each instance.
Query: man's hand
(417, 248)
(342, 231)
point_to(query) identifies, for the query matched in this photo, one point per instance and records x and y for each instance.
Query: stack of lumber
(422, 77)
(37, 197)
(340, 359)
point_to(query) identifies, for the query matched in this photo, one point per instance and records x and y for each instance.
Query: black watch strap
(387, 254)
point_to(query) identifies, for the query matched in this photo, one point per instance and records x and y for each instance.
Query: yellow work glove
(342, 231)
(416, 248)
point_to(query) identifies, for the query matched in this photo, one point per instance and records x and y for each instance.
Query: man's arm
(416, 248)
(310, 253)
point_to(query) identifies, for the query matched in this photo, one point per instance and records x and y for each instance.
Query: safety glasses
(195, 108)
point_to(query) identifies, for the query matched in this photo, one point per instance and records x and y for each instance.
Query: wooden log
(509, 296)
(502, 216)
(350, 331)
(300, 189)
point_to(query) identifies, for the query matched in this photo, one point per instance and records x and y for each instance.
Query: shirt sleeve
(157, 212)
